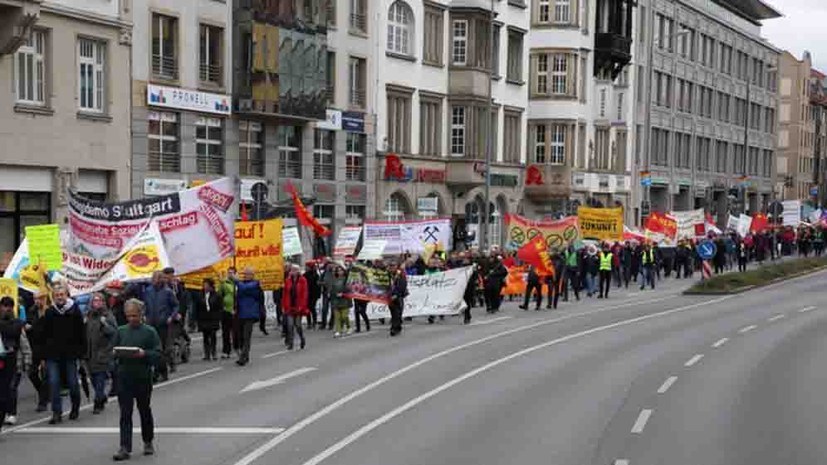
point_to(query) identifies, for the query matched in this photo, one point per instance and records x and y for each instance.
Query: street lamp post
(484, 236)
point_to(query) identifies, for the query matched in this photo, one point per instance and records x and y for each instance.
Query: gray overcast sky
(803, 27)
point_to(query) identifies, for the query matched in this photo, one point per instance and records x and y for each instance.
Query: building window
(358, 15)
(18, 210)
(458, 131)
(324, 167)
(164, 46)
(432, 50)
(399, 122)
(430, 126)
(558, 144)
(209, 146)
(30, 70)
(563, 74)
(601, 136)
(324, 212)
(459, 54)
(514, 73)
(290, 156)
(400, 28)
(543, 11)
(620, 116)
(562, 11)
(495, 52)
(621, 138)
(540, 143)
(355, 212)
(162, 135)
(250, 148)
(721, 156)
(512, 128)
(92, 80)
(541, 86)
(395, 208)
(210, 52)
(685, 42)
(357, 82)
(330, 77)
(559, 74)
(602, 102)
(355, 157)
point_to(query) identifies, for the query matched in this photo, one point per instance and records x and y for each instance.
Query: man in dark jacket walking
(533, 284)
(398, 292)
(250, 300)
(64, 336)
(494, 282)
(161, 312)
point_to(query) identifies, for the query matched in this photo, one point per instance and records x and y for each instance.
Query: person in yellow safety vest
(606, 263)
(647, 260)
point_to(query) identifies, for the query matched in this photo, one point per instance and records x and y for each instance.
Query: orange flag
(536, 254)
(304, 216)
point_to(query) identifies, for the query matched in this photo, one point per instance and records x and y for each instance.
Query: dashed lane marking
(667, 384)
(695, 359)
(158, 430)
(720, 342)
(746, 329)
(641, 421)
(777, 317)
(806, 309)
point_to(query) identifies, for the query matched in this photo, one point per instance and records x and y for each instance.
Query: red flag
(304, 216)
(759, 223)
(244, 216)
(536, 254)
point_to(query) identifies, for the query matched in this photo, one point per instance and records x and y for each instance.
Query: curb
(743, 289)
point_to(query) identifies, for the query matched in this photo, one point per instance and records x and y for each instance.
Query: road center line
(621, 462)
(720, 342)
(90, 405)
(806, 309)
(641, 421)
(777, 317)
(695, 359)
(275, 354)
(304, 423)
(492, 320)
(746, 329)
(423, 397)
(667, 384)
(160, 429)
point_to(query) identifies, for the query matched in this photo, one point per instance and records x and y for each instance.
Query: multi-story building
(580, 106)
(181, 107)
(448, 75)
(705, 105)
(64, 109)
(800, 97)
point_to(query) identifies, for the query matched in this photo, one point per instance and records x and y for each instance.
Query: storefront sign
(156, 186)
(185, 99)
(356, 194)
(534, 176)
(353, 121)
(427, 205)
(396, 171)
(332, 122)
(503, 180)
(325, 192)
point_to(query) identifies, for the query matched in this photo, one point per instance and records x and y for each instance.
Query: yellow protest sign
(258, 244)
(8, 288)
(44, 245)
(605, 224)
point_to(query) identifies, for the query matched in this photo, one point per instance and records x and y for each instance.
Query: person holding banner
(294, 305)
(250, 298)
(311, 274)
(398, 292)
(339, 304)
(494, 283)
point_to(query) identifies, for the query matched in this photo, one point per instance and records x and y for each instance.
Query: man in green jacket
(137, 349)
(226, 289)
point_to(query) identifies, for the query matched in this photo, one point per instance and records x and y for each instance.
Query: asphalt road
(641, 378)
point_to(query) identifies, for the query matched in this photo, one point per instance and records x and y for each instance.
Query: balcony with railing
(164, 162)
(290, 169)
(330, 94)
(357, 98)
(324, 171)
(165, 67)
(355, 172)
(205, 164)
(210, 73)
(359, 22)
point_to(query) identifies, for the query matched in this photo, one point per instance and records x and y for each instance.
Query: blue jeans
(53, 369)
(99, 385)
(589, 283)
(647, 277)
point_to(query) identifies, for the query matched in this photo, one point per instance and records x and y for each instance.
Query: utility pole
(743, 188)
(818, 177)
(484, 237)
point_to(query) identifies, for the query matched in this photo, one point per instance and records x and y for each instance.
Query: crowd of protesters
(128, 338)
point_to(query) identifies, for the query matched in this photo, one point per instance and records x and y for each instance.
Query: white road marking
(777, 317)
(806, 309)
(667, 384)
(746, 329)
(695, 359)
(641, 421)
(351, 438)
(307, 421)
(90, 405)
(720, 342)
(158, 430)
(621, 462)
(492, 320)
(257, 385)
(275, 354)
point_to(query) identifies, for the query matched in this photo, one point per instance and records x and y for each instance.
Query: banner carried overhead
(662, 223)
(557, 233)
(347, 241)
(604, 224)
(410, 236)
(291, 243)
(792, 212)
(691, 223)
(368, 283)
(744, 223)
(196, 224)
(44, 245)
(433, 294)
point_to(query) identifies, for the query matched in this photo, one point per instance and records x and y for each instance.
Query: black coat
(64, 334)
(314, 289)
(209, 320)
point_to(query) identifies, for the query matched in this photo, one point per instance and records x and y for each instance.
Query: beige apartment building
(64, 108)
(801, 104)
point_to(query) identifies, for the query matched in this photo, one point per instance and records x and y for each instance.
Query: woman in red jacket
(294, 305)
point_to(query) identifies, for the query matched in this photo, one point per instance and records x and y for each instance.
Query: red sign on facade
(534, 176)
(396, 171)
